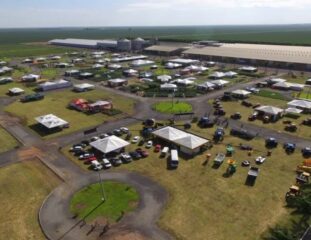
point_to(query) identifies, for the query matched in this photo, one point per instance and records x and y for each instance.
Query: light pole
(102, 187)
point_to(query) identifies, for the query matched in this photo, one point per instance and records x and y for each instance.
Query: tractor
(232, 166)
(219, 134)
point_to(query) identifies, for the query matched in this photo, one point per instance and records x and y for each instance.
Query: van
(96, 165)
(164, 151)
(174, 159)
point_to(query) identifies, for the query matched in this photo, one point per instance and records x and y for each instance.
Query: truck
(174, 159)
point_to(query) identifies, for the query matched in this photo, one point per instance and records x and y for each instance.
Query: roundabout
(58, 222)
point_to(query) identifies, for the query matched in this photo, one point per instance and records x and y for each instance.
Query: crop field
(283, 34)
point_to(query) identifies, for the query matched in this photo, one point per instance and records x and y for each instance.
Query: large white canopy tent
(109, 144)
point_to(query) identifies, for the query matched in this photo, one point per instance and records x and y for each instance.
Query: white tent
(183, 81)
(248, 69)
(188, 142)
(109, 144)
(141, 62)
(270, 110)
(303, 104)
(171, 65)
(83, 87)
(293, 110)
(164, 78)
(277, 80)
(230, 74)
(220, 82)
(217, 75)
(168, 86)
(51, 121)
(30, 77)
(241, 92)
(206, 85)
(97, 66)
(16, 91)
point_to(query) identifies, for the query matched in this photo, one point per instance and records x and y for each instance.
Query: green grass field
(271, 94)
(29, 50)
(204, 204)
(57, 102)
(172, 107)
(24, 186)
(120, 198)
(7, 141)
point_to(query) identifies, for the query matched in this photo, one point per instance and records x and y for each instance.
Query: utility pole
(102, 187)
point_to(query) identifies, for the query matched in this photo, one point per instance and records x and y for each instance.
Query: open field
(120, 198)
(172, 107)
(23, 188)
(235, 106)
(56, 103)
(204, 203)
(5, 88)
(7, 141)
(283, 34)
(28, 50)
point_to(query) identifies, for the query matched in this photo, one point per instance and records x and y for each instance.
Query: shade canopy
(109, 144)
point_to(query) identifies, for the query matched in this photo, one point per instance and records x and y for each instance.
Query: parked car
(86, 156)
(306, 152)
(103, 135)
(289, 147)
(253, 116)
(93, 139)
(96, 165)
(116, 162)
(76, 147)
(117, 132)
(236, 116)
(246, 147)
(135, 139)
(143, 153)
(106, 163)
(149, 144)
(174, 161)
(126, 158)
(157, 148)
(246, 163)
(260, 160)
(124, 130)
(271, 142)
(135, 155)
(89, 159)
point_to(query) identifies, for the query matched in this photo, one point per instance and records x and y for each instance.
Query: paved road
(58, 222)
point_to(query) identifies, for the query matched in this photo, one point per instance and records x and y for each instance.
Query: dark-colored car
(115, 162)
(306, 152)
(271, 142)
(289, 147)
(135, 155)
(32, 97)
(142, 152)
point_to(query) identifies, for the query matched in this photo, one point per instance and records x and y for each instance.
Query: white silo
(124, 45)
(138, 44)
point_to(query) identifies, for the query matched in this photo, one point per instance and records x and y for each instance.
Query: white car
(96, 165)
(124, 130)
(149, 144)
(260, 160)
(106, 163)
(135, 139)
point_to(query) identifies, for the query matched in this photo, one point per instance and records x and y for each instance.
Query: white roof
(230, 74)
(51, 121)
(164, 78)
(180, 137)
(146, 79)
(197, 68)
(73, 71)
(220, 82)
(277, 80)
(207, 84)
(247, 68)
(217, 75)
(51, 83)
(241, 92)
(16, 90)
(114, 66)
(183, 81)
(141, 62)
(288, 85)
(6, 79)
(293, 110)
(168, 86)
(117, 80)
(6, 69)
(270, 109)
(84, 85)
(130, 71)
(184, 61)
(300, 103)
(172, 65)
(109, 144)
(97, 66)
(31, 76)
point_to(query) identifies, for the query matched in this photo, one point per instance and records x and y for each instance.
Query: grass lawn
(169, 107)
(5, 88)
(8, 142)
(271, 94)
(56, 103)
(232, 107)
(204, 204)
(305, 95)
(49, 73)
(120, 199)
(24, 186)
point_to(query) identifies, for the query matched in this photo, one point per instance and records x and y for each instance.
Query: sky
(60, 13)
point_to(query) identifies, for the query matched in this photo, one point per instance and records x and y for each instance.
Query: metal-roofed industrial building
(85, 43)
(298, 57)
(163, 50)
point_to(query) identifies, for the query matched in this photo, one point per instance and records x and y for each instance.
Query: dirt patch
(133, 204)
(126, 235)
(101, 221)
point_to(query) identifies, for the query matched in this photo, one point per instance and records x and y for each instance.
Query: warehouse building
(295, 57)
(162, 50)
